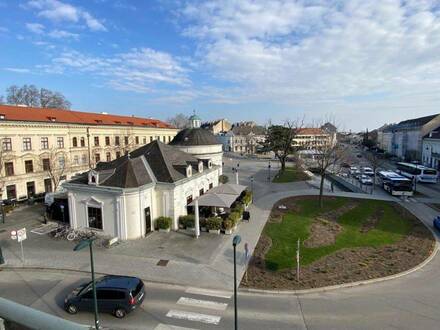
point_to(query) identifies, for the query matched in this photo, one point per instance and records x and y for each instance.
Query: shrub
(228, 224)
(187, 221)
(223, 179)
(163, 222)
(234, 217)
(214, 223)
(247, 198)
(238, 208)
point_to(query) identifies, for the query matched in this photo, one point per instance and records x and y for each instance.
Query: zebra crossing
(200, 306)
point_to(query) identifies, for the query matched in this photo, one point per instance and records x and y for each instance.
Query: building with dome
(199, 142)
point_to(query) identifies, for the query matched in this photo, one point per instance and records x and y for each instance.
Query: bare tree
(280, 140)
(2, 101)
(32, 96)
(56, 163)
(179, 121)
(328, 156)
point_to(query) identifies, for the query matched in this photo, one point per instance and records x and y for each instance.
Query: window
(11, 192)
(27, 144)
(126, 140)
(118, 154)
(144, 140)
(47, 185)
(201, 192)
(61, 161)
(110, 294)
(169, 138)
(164, 139)
(108, 156)
(97, 158)
(211, 185)
(7, 144)
(74, 142)
(117, 142)
(107, 140)
(76, 160)
(88, 295)
(9, 168)
(83, 142)
(94, 217)
(46, 164)
(96, 138)
(84, 159)
(44, 142)
(137, 139)
(28, 166)
(151, 139)
(60, 142)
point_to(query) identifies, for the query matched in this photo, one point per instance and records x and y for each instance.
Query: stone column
(236, 176)
(196, 219)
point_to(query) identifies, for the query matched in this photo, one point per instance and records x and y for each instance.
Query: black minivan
(118, 295)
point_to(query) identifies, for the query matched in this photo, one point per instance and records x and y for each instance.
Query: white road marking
(202, 303)
(204, 318)
(162, 326)
(213, 293)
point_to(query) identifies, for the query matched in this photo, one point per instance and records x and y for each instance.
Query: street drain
(162, 262)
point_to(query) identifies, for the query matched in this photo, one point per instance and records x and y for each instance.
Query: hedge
(187, 220)
(163, 222)
(214, 223)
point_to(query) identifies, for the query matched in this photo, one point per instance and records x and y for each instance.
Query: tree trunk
(283, 163)
(321, 191)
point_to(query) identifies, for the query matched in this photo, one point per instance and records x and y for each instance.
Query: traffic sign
(21, 235)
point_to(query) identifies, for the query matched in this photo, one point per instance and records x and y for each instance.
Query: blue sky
(360, 63)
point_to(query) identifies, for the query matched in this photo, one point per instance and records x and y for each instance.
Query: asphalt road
(410, 302)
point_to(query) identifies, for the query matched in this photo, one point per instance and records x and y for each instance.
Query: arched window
(75, 142)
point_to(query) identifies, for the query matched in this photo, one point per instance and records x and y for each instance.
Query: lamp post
(268, 167)
(235, 242)
(81, 245)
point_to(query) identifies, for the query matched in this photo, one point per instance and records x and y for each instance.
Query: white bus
(395, 184)
(420, 172)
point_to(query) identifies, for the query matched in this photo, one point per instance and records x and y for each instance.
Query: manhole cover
(162, 262)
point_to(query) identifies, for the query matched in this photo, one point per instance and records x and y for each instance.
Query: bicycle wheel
(71, 236)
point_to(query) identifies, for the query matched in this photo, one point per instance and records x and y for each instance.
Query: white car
(366, 180)
(368, 171)
(353, 170)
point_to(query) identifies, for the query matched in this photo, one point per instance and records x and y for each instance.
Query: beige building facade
(40, 148)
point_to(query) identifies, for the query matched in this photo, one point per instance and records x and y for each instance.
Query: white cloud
(319, 52)
(61, 34)
(17, 70)
(139, 70)
(58, 11)
(3, 29)
(36, 28)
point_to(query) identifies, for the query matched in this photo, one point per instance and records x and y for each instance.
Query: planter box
(214, 231)
(164, 230)
(229, 231)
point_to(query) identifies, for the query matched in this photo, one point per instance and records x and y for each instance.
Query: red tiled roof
(310, 131)
(18, 113)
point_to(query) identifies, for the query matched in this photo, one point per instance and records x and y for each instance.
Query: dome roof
(194, 137)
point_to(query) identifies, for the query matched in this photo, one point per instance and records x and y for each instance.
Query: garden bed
(348, 240)
(290, 174)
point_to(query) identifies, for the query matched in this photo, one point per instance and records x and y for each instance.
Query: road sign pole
(22, 252)
(297, 261)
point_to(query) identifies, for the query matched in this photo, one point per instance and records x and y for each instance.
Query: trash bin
(246, 216)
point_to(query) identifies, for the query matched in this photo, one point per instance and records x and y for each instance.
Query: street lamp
(81, 245)
(268, 166)
(235, 242)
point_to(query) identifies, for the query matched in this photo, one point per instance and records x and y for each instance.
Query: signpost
(19, 235)
(297, 261)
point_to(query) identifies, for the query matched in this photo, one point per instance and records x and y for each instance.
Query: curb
(345, 285)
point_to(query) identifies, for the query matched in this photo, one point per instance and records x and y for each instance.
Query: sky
(359, 63)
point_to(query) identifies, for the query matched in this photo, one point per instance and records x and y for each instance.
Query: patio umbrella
(228, 189)
(216, 200)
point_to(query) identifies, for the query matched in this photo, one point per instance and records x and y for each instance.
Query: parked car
(365, 179)
(436, 223)
(353, 170)
(368, 171)
(118, 295)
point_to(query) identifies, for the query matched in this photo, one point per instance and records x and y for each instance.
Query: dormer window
(99, 121)
(200, 166)
(93, 177)
(188, 171)
(2, 116)
(52, 118)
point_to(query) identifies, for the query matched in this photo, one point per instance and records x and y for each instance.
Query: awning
(217, 200)
(228, 189)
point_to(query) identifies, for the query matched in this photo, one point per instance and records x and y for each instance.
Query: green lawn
(390, 228)
(290, 174)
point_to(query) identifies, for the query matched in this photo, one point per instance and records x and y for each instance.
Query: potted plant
(190, 222)
(203, 224)
(164, 224)
(228, 225)
(247, 198)
(182, 223)
(234, 217)
(214, 225)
